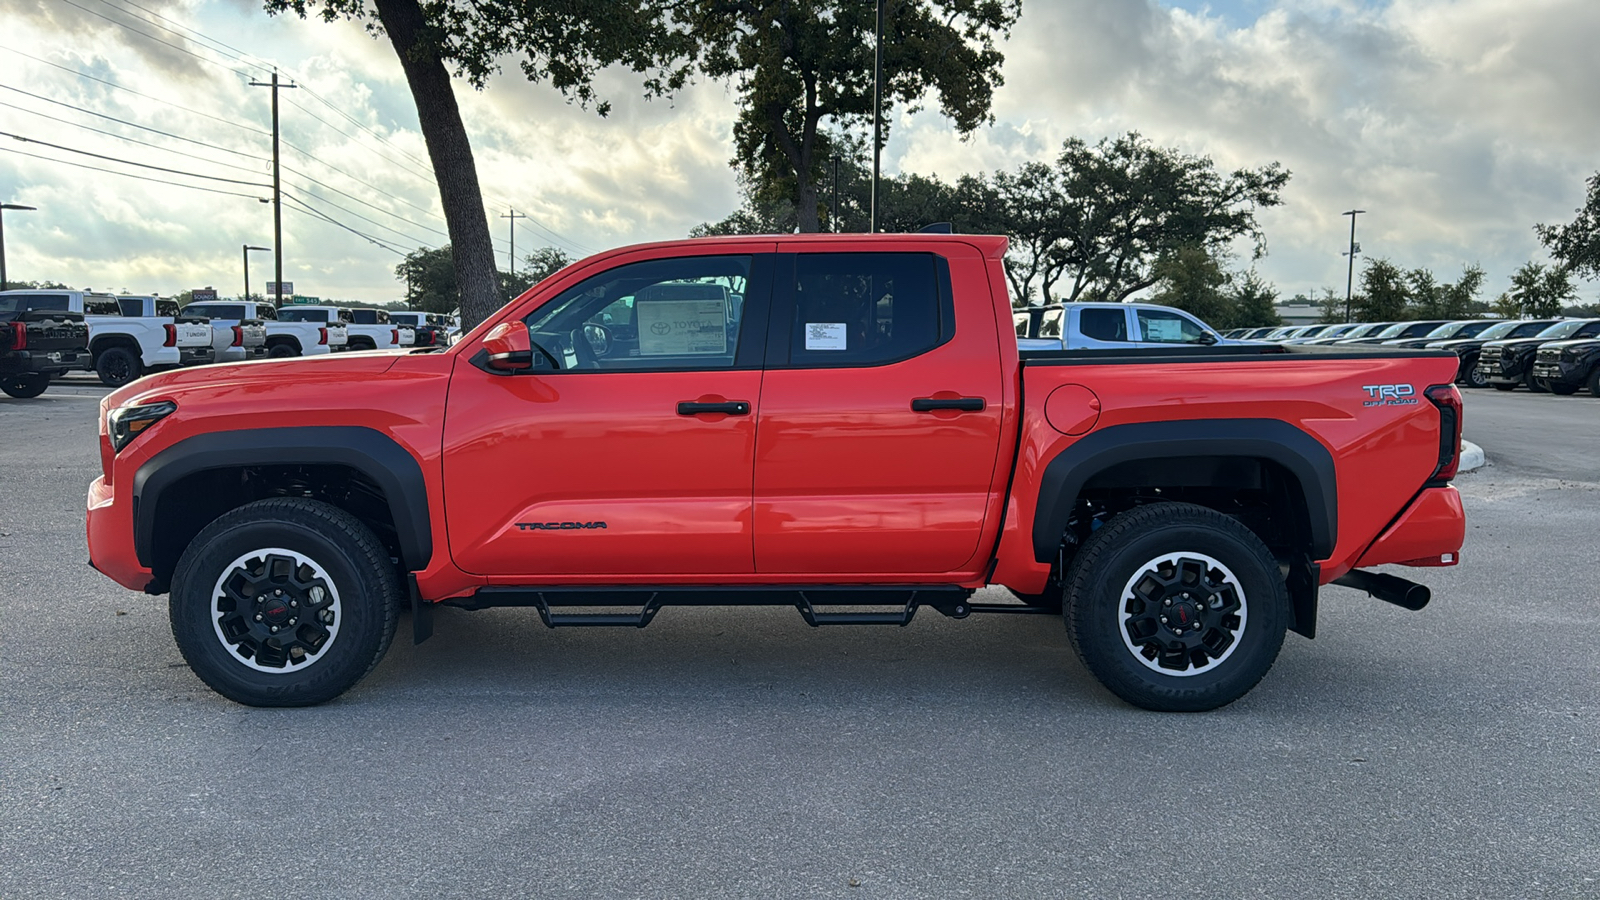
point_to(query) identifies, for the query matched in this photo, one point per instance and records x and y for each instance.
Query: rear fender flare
(366, 450)
(1302, 455)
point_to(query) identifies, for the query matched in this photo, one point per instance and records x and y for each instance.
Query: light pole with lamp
(1350, 276)
(246, 254)
(6, 206)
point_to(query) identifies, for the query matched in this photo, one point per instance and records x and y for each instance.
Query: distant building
(1299, 313)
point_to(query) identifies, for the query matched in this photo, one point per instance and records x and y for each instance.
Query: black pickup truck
(38, 344)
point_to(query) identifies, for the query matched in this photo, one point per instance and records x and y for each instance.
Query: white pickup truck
(132, 335)
(235, 337)
(370, 329)
(287, 335)
(1109, 326)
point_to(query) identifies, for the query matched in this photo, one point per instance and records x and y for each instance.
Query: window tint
(102, 306)
(19, 302)
(166, 307)
(291, 314)
(1163, 327)
(663, 314)
(130, 306)
(263, 311)
(1102, 324)
(1050, 325)
(1021, 321)
(369, 317)
(863, 309)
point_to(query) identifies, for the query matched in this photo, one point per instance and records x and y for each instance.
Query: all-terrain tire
(1473, 378)
(1594, 382)
(1561, 390)
(1176, 607)
(1502, 386)
(118, 366)
(24, 387)
(284, 602)
(281, 351)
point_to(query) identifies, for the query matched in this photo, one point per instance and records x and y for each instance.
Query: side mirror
(1207, 338)
(508, 347)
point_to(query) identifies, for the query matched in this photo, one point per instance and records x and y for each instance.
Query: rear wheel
(284, 602)
(281, 351)
(117, 366)
(24, 387)
(1176, 607)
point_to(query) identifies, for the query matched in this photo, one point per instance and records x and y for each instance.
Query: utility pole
(877, 117)
(3, 207)
(277, 193)
(833, 218)
(1350, 276)
(513, 215)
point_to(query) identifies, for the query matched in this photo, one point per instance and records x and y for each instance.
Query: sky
(1456, 124)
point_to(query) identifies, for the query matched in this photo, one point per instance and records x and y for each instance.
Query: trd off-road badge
(1390, 395)
(557, 526)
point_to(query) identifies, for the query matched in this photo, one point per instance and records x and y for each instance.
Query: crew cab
(238, 330)
(1460, 330)
(301, 330)
(130, 335)
(1108, 326)
(861, 440)
(38, 341)
(1508, 362)
(1469, 349)
(369, 329)
(1566, 366)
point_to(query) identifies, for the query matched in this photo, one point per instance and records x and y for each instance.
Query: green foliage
(1331, 303)
(1384, 295)
(1458, 300)
(1576, 245)
(37, 286)
(1538, 291)
(1254, 303)
(536, 267)
(430, 278)
(1190, 279)
(796, 63)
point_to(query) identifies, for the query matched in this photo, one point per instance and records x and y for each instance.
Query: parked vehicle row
(1554, 355)
(1109, 326)
(123, 337)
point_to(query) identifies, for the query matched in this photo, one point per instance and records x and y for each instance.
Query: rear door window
(1101, 323)
(865, 309)
(1160, 326)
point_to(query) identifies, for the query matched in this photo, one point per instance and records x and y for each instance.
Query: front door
(880, 414)
(629, 449)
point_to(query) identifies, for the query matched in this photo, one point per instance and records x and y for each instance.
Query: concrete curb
(1471, 456)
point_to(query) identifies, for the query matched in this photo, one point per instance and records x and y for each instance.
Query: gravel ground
(737, 753)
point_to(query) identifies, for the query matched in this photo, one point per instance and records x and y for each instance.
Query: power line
(361, 217)
(425, 176)
(123, 137)
(192, 187)
(149, 36)
(235, 53)
(128, 162)
(119, 87)
(362, 202)
(330, 219)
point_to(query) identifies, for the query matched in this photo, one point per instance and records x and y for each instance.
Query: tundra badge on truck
(1390, 395)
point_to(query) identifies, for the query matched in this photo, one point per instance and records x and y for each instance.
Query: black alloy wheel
(24, 387)
(281, 351)
(1176, 607)
(1560, 389)
(1536, 385)
(1594, 382)
(117, 366)
(284, 602)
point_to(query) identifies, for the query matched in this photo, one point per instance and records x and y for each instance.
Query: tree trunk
(805, 212)
(451, 154)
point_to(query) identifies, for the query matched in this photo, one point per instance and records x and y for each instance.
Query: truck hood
(330, 369)
(1516, 343)
(1570, 344)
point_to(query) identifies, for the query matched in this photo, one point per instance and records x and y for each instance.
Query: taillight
(322, 335)
(20, 341)
(172, 336)
(238, 336)
(1447, 400)
(394, 336)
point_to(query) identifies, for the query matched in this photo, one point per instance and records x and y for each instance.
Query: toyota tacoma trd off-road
(840, 424)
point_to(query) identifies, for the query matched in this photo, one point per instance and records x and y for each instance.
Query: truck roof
(990, 245)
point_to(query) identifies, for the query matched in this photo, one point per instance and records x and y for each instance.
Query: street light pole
(277, 185)
(6, 206)
(246, 253)
(877, 117)
(1350, 276)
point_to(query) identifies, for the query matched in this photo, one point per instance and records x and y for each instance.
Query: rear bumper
(242, 354)
(110, 535)
(24, 362)
(1429, 533)
(196, 356)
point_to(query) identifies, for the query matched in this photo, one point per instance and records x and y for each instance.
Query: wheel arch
(184, 487)
(106, 342)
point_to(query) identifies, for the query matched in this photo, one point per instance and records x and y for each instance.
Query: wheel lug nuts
(277, 593)
(292, 621)
(274, 629)
(1167, 602)
(294, 602)
(1163, 620)
(258, 617)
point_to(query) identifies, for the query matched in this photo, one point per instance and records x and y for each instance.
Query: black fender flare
(367, 450)
(1302, 455)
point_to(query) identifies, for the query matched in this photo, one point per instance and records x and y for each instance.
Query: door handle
(730, 408)
(960, 404)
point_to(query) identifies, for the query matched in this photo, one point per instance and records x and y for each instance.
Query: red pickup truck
(843, 424)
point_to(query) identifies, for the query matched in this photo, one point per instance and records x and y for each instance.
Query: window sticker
(682, 327)
(825, 336)
(1163, 329)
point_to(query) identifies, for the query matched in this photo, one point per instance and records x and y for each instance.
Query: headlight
(125, 423)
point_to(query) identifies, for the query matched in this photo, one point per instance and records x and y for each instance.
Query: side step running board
(645, 602)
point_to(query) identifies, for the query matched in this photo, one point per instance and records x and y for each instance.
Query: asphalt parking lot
(738, 753)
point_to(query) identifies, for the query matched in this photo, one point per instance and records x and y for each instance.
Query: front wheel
(1594, 382)
(284, 602)
(1536, 385)
(1502, 386)
(1176, 607)
(1561, 390)
(1475, 378)
(24, 387)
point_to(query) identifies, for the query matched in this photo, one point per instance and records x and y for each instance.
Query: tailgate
(193, 331)
(254, 332)
(53, 331)
(338, 335)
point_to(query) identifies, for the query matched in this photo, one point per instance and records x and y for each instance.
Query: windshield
(1393, 330)
(1562, 329)
(1448, 329)
(1498, 331)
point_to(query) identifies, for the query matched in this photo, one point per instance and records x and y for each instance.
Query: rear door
(632, 457)
(880, 413)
